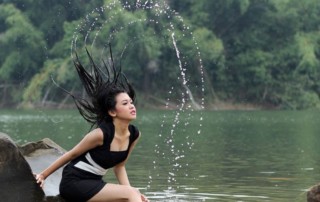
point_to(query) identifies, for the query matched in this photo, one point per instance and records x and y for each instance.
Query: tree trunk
(44, 99)
(4, 94)
(194, 103)
(65, 99)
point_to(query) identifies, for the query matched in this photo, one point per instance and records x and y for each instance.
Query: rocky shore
(17, 165)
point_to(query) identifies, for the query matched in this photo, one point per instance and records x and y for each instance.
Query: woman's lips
(133, 112)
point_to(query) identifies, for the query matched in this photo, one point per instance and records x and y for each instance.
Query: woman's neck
(121, 127)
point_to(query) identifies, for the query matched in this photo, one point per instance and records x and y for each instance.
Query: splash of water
(91, 31)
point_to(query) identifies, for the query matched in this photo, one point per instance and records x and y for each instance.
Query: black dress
(82, 177)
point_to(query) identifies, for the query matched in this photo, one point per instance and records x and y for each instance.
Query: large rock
(313, 194)
(17, 165)
(17, 182)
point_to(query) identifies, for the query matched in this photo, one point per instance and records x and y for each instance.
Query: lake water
(201, 156)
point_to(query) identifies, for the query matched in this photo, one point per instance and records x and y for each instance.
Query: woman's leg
(115, 192)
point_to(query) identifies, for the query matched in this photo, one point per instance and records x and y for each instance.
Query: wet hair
(313, 194)
(102, 85)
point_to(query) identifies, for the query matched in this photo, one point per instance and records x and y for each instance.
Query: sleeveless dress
(82, 177)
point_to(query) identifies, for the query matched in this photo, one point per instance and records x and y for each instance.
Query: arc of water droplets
(160, 9)
(111, 6)
(178, 154)
(82, 26)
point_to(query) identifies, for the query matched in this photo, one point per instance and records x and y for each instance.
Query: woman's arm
(121, 173)
(91, 140)
(120, 169)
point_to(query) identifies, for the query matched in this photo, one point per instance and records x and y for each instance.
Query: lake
(201, 156)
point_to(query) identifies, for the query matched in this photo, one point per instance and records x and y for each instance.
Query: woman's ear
(112, 113)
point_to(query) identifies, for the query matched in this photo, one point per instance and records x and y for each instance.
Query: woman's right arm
(91, 140)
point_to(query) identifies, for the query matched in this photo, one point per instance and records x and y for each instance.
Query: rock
(313, 193)
(39, 156)
(17, 182)
(17, 165)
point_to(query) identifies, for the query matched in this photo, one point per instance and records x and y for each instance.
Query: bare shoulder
(97, 131)
(90, 140)
(96, 135)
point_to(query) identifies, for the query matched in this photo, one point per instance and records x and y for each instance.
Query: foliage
(22, 46)
(251, 51)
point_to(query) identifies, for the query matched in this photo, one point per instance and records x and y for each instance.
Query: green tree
(22, 49)
(252, 51)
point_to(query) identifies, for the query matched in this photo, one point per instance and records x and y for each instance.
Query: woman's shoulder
(98, 132)
(95, 136)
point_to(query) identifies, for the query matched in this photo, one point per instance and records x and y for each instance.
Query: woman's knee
(113, 192)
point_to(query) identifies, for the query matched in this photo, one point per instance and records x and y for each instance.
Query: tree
(22, 48)
(256, 51)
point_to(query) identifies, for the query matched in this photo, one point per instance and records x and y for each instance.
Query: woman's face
(125, 108)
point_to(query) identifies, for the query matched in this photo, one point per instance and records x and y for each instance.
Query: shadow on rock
(17, 165)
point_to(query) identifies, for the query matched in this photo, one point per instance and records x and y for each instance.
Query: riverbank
(157, 104)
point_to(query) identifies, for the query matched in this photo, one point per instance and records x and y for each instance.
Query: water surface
(201, 156)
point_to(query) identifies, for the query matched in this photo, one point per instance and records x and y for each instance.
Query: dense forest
(203, 52)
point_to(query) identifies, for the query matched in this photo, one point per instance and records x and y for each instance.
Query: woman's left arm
(120, 169)
(121, 173)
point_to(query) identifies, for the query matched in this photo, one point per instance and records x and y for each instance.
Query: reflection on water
(239, 155)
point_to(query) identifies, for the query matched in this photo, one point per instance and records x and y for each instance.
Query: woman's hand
(40, 179)
(144, 198)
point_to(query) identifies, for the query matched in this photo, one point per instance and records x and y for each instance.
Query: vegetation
(261, 52)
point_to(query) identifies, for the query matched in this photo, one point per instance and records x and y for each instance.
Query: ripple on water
(184, 197)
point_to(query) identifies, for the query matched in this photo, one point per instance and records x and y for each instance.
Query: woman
(111, 109)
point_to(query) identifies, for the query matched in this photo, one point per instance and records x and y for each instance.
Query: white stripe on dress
(93, 168)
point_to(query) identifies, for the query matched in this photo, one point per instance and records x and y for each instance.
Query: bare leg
(115, 193)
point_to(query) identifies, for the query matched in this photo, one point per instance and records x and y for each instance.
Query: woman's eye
(125, 103)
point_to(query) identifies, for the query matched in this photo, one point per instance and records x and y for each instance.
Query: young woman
(110, 108)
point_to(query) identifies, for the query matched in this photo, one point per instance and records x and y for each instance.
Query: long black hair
(102, 85)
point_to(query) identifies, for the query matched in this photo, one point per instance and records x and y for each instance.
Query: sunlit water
(238, 156)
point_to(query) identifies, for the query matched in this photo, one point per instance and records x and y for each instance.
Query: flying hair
(102, 85)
